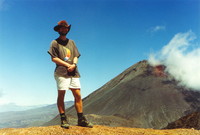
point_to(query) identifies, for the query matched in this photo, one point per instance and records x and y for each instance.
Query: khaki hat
(62, 23)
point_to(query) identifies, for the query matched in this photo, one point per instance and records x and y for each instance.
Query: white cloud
(181, 62)
(157, 28)
(1, 93)
(153, 61)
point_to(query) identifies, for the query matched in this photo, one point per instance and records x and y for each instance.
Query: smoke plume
(181, 58)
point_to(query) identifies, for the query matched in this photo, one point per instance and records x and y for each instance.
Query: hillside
(189, 121)
(141, 96)
(97, 130)
(31, 117)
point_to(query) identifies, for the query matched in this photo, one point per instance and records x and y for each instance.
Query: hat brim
(57, 27)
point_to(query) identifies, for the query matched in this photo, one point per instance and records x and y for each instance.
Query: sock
(63, 116)
(80, 115)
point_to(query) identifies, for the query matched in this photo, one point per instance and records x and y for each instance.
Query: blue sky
(111, 35)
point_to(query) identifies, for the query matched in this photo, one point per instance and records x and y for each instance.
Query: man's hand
(71, 67)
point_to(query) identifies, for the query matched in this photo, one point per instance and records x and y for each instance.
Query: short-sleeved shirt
(66, 53)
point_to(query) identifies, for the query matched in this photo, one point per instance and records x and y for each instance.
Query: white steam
(182, 62)
(157, 28)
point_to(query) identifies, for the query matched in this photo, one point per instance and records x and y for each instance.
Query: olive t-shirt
(66, 51)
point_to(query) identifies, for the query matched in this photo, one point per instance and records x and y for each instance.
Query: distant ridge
(141, 96)
(32, 117)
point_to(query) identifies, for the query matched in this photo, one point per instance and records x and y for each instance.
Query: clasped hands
(71, 67)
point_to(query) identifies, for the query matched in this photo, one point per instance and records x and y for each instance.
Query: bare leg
(79, 108)
(60, 101)
(61, 109)
(78, 101)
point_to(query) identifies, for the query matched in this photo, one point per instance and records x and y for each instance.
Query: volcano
(142, 96)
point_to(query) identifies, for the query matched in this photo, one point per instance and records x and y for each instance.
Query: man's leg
(60, 101)
(61, 108)
(78, 101)
(79, 108)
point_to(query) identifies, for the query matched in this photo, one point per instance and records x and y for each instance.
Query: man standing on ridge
(65, 54)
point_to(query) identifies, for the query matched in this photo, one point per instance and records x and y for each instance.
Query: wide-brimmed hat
(62, 23)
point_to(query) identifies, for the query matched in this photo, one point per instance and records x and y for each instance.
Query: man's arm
(60, 62)
(75, 61)
(73, 66)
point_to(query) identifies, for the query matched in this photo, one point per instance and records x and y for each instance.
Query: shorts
(67, 83)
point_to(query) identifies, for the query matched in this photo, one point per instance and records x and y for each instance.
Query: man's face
(63, 31)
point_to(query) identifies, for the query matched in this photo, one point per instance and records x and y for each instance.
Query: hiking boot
(64, 124)
(84, 123)
(64, 121)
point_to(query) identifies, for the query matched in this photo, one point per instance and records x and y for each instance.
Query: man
(65, 54)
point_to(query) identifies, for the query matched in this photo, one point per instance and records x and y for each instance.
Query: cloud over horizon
(1, 93)
(157, 28)
(180, 60)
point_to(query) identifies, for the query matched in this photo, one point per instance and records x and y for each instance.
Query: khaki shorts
(67, 83)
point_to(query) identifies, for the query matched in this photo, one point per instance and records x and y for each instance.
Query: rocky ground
(96, 130)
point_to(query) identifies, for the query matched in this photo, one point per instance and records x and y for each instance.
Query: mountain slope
(142, 94)
(32, 117)
(189, 121)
